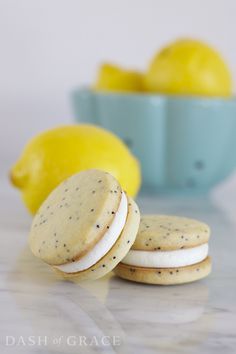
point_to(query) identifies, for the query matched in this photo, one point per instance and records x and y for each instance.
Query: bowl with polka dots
(184, 144)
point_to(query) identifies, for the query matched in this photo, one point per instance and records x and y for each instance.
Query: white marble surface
(194, 318)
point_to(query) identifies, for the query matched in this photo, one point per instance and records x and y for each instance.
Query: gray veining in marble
(134, 318)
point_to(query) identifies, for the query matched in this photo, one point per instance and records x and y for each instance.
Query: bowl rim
(88, 91)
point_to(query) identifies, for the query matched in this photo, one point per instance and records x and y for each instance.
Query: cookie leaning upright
(167, 250)
(85, 226)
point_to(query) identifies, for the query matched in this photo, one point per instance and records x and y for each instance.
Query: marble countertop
(41, 314)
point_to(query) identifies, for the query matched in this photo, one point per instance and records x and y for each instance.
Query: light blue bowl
(183, 144)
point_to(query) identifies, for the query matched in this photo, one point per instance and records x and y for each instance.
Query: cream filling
(166, 259)
(102, 246)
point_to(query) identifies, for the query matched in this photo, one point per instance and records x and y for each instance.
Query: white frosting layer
(104, 244)
(166, 259)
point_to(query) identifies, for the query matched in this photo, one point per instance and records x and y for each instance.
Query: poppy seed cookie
(167, 250)
(81, 222)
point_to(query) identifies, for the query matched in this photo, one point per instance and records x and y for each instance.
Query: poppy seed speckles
(87, 199)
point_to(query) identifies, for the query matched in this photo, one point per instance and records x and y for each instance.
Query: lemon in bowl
(113, 78)
(189, 67)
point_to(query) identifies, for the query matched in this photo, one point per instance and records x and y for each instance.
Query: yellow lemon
(113, 78)
(189, 67)
(54, 155)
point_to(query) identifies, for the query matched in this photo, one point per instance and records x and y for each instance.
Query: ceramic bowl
(183, 143)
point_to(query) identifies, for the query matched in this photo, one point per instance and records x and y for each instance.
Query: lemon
(189, 67)
(112, 78)
(54, 155)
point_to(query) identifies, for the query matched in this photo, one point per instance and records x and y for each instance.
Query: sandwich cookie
(167, 250)
(85, 226)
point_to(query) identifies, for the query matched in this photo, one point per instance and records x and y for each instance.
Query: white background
(47, 47)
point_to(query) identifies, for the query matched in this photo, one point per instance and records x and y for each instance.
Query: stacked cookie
(167, 250)
(88, 226)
